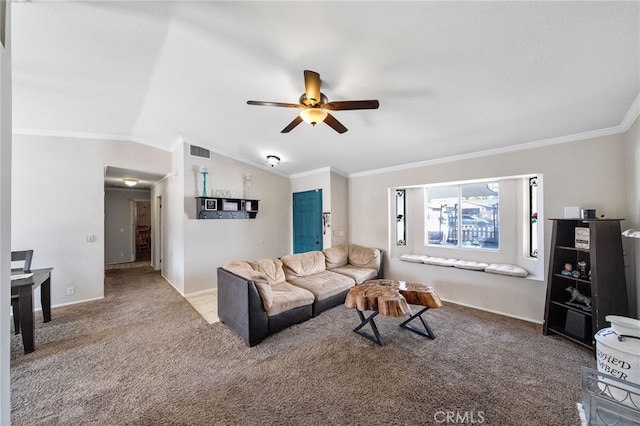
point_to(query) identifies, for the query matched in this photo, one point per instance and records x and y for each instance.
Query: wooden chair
(24, 256)
(142, 241)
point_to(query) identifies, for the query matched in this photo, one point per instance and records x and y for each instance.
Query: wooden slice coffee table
(392, 298)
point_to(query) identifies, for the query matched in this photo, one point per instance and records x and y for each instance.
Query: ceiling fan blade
(275, 104)
(347, 105)
(335, 124)
(312, 86)
(292, 125)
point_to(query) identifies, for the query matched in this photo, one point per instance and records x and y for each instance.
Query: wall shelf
(226, 208)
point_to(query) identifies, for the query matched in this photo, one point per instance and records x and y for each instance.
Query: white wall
(339, 229)
(118, 227)
(632, 245)
(5, 219)
(583, 173)
(210, 243)
(171, 189)
(58, 200)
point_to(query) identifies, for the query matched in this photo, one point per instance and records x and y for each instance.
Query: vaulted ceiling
(452, 78)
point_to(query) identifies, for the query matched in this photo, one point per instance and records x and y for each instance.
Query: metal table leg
(423, 332)
(369, 320)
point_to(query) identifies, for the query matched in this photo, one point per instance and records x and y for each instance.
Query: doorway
(141, 213)
(307, 221)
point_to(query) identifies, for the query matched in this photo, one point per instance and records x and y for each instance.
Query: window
(401, 229)
(533, 217)
(463, 215)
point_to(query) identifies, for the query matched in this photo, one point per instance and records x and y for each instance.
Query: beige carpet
(144, 356)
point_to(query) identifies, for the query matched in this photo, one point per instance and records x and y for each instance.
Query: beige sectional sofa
(257, 298)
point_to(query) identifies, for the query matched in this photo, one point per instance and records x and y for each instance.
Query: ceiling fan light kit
(313, 115)
(315, 104)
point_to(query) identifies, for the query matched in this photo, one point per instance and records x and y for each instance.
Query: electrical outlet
(70, 291)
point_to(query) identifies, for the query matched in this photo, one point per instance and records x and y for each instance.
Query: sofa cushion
(359, 275)
(246, 271)
(287, 297)
(272, 269)
(506, 269)
(323, 284)
(364, 257)
(303, 264)
(336, 256)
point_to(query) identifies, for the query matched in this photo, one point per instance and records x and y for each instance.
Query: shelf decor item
(204, 173)
(582, 238)
(578, 300)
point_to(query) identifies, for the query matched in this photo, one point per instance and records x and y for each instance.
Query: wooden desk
(392, 298)
(24, 288)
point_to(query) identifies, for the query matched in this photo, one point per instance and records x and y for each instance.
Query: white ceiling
(452, 78)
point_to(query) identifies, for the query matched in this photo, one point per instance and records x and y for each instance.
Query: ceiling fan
(315, 104)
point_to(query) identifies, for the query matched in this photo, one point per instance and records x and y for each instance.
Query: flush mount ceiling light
(130, 182)
(273, 160)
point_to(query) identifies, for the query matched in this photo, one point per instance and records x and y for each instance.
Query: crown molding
(67, 134)
(507, 149)
(631, 116)
(83, 135)
(327, 169)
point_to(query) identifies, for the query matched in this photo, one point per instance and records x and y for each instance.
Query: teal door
(307, 221)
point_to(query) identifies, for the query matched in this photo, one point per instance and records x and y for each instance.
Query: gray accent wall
(119, 232)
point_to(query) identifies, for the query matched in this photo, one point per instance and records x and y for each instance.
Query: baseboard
(198, 293)
(494, 312)
(59, 305)
(172, 285)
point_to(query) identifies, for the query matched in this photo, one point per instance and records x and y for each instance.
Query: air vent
(197, 151)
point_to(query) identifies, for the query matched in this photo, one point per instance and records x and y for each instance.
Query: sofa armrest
(240, 307)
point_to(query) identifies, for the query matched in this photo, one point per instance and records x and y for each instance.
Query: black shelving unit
(226, 208)
(603, 280)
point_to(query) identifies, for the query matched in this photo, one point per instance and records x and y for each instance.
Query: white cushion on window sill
(506, 269)
(416, 258)
(440, 261)
(470, 264)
